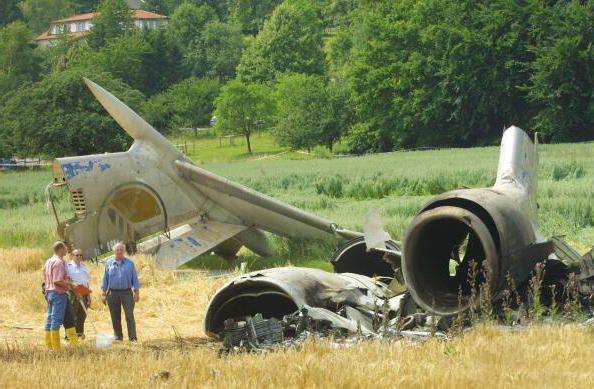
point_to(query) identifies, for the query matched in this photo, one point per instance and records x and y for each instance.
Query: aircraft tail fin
(129, 120)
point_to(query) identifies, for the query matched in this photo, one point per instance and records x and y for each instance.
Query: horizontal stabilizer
(187, 242)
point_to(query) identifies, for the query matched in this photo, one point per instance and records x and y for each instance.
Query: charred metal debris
(285, 306)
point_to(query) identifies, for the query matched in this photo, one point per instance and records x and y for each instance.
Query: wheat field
(170, 313)
(556, 356)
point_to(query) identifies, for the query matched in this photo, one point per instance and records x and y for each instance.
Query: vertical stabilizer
(518, 161)
(129, 120)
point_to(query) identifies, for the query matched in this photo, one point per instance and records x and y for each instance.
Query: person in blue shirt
(120, 288)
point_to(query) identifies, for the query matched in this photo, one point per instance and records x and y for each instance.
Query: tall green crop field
(344, 189)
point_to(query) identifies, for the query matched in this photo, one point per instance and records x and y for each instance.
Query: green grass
(207, 148)
(344, 189)
(25, 220)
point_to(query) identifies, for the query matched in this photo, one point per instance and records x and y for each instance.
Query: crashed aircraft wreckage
(489, 234)
(154, 189)
(157, 201)
(495, 228)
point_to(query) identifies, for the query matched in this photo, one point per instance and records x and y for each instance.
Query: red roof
(136, 14)
(87, 16)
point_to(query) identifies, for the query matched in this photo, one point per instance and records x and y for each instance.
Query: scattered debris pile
(288, 305)
(252, 333)
(258, 334)
(285, 306)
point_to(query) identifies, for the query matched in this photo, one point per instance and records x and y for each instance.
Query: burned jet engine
(471, 236)
(154, 198)
(277, 292)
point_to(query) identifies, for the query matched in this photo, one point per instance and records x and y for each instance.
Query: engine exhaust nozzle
(465, 239)
(445, 248)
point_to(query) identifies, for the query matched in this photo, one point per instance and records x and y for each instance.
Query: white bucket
(103, 340)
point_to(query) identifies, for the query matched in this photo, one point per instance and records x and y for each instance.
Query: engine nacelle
(494, 228)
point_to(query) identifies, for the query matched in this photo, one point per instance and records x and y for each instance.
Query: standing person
(55, 286)
(120, 289)
(79, 295)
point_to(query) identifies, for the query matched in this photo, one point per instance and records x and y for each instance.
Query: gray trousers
(116, 300)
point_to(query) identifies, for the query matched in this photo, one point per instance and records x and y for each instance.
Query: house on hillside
(79, 25)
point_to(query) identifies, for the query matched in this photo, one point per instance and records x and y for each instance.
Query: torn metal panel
(281, 291)
(363, 320)
(566, 253)
(340, 322)
(354, 257)
(586, 277)
(374, 233)
(188, 241)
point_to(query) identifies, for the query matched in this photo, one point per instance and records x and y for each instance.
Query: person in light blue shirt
(120, 288)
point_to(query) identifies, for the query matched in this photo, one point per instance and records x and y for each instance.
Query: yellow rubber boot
(55, 336)
(72, 336)
(48, 339)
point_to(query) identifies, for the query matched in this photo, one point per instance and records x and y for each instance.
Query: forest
(377, 75)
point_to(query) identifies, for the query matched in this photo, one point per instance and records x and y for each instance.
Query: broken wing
(258, 210)
(188, 241)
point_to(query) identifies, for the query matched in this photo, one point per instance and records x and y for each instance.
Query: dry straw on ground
(542, 356)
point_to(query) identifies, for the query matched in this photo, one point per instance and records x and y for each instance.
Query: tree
(157, 6)
(144, 59)
(187, 22)
(64, 53)
(19, 60)
(59, 116)
(302, 110)
(39, 13)
(122, 57)
(186, 104)
(310, 112)
(9, 11)
(219, 6)
(162, 64)
(243, 108)
(337, 12)
(339, 50)
(444, 72)
(342, 114)
(562, 80)
(250, 14)
(82, 6)
(216, 52)
(290, 41)
(114, 19)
